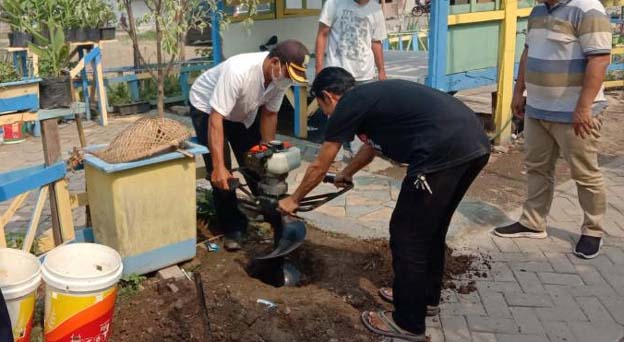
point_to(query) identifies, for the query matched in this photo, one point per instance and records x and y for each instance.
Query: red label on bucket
(13, 132)
(26, 332)
(92, 324)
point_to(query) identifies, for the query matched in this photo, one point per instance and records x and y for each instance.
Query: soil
(340, 279)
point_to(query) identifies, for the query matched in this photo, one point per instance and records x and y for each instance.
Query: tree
(171, 20)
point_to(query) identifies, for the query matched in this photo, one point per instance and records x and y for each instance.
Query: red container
(14, 133)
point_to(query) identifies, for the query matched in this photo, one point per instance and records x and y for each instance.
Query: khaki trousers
(545, 141)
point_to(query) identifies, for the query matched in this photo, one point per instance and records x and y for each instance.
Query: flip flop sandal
(386, 294)
(395, 331)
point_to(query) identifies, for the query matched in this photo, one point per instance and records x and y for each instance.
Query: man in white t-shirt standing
(225, 102)
(350, 35)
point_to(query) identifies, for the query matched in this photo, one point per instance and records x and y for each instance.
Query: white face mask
(280, 80)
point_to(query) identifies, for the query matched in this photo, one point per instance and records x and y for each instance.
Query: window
(287, 8)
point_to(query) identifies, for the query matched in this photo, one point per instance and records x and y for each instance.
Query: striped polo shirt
(559, 40)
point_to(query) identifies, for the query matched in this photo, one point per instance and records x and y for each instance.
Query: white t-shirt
(235, 89)
(353, 28)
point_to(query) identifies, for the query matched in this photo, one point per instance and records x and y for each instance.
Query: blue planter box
(19, 96)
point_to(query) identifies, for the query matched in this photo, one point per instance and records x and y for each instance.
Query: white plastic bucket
(81, 288)
(20, 275)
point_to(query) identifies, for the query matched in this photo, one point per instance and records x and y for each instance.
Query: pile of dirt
(460, 271)
(340, 278)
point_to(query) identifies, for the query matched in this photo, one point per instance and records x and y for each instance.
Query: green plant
(119, 94)
(17, 14)
(171, 19)
(172, 86)
(149, 88)
(88, 10)
(131, 285)
(8, 72)
(205, 205)
(40, 13)
(54, 58)
(107, 17)
(62, 12)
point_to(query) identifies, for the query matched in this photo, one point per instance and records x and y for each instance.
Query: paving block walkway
(537, 290)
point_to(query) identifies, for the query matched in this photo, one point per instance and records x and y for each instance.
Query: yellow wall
(145, 208)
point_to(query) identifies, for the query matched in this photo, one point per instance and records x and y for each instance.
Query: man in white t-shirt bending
(350, 35)
(225, 101)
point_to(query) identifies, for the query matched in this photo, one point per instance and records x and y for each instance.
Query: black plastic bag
(54, 93)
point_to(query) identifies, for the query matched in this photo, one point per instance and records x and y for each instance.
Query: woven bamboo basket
(146, 137)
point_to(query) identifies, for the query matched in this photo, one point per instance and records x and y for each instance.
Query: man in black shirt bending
(445, 147)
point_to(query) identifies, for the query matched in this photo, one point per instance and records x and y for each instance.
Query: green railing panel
(475, 46)
(472, 47)
(526, 3)
(474, 6)
(459, 9)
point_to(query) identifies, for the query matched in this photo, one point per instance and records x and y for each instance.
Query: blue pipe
(217, 44)
(438, 36)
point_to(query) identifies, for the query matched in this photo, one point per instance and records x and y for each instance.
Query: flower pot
(80, 34)
(132, 108)
(19, 39)
(93, 34)
(107, 33)
(54, 93)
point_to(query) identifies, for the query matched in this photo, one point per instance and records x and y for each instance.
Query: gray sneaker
(517, 230)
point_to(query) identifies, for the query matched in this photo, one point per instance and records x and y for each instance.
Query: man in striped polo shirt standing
(562, 70)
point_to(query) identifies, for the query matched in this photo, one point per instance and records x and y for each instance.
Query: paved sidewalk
(536, 290)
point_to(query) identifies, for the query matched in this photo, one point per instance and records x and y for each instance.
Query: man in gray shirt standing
(562, 70)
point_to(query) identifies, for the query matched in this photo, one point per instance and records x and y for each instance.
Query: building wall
(238, 39)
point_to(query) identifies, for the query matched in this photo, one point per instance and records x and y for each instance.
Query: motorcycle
(421, 7)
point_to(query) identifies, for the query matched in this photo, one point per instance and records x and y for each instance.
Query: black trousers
(418, 230)
(6, 333)
(229, 218)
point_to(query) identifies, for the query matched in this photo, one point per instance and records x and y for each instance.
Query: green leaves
(176, 17)
(54, 54)
(8, 72)
(32, 15)
(16, 13)
(92, 13)
(118, 94)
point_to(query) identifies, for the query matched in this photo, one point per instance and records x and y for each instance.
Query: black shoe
(517, 230)
(433, 310)
(232, 242)
(588, 247)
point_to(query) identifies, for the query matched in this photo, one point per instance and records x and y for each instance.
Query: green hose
(500, 131)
